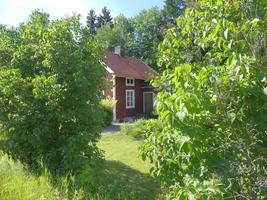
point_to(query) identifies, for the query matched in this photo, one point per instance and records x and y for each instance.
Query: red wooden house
(130, 90)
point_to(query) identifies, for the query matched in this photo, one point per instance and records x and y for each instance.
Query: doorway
(148, 102)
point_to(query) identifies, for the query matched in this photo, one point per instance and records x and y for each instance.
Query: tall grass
(17, 183)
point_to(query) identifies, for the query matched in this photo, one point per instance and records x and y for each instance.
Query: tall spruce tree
(105, 18)
(91, 21)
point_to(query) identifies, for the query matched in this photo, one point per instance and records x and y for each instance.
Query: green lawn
(124, 175)
(119, 147)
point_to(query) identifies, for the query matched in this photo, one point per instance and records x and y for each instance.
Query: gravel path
(112, 129)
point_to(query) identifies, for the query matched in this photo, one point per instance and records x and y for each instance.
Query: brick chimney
(117, 50)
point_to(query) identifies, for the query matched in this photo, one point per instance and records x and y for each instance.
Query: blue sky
(12, 12)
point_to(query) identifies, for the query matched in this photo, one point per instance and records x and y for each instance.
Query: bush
(50, 90)
(107, 107)
(142, 128)
(213, 103)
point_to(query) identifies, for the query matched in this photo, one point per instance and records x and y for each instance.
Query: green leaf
(187, 68)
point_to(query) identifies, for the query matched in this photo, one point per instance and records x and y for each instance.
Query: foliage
(50, 89)
(117, 35)
(142, 128)
(8, 41)
(112, 37)
(212, 103)
(107, 106)
(173, 9)
(16, 183)
(104, 18)
(146, 36)
(91, 20)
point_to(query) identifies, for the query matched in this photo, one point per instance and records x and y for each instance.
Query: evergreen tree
(91, 21)
(105, 18)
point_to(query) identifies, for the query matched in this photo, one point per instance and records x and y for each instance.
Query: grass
(123, 148)
(123, 172)
(121, 176)
(16, 183)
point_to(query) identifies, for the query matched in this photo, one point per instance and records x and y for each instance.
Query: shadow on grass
(115, 180)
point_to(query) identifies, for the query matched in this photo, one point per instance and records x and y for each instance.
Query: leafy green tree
(91, 21)
(173, 9)
(119, 34)
(146, 36)
(8, 41)
(50, 88)
(123, 24)
(111, 37)
(213, 103)
(104, 18)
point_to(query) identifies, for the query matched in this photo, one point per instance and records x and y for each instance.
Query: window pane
(130, 98)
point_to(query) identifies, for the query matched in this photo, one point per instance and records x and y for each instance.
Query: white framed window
(130, 99)
(129, 81)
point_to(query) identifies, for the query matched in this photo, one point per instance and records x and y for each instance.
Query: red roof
(129, 67)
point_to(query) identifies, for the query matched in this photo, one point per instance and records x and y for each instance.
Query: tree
(91, 21)
(213, 104)
(173, 9)
(119, 34)
(110, 36)
(104, 18)
(146, 35)
(8, 41)
(122, 23)
(50, 88)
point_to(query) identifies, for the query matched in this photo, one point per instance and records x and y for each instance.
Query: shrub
(50, 89)
(142, 128)
(213, 103)
(107, 107)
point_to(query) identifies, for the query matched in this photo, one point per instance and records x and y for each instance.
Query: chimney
(118, 50)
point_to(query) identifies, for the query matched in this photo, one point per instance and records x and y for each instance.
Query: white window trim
(133, 106)
(129, 84)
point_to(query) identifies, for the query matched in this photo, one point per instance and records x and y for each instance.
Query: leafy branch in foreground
(213, 103)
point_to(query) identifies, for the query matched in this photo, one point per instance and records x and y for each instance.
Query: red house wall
(121, 111)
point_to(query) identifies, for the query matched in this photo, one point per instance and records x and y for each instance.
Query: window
(129, 81)
(130, 99)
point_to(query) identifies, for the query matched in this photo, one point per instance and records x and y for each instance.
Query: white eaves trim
(107, 67)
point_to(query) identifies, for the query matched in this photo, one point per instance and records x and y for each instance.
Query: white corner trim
(128, 107)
